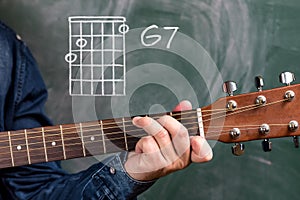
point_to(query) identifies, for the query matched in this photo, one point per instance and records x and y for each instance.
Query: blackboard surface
(244, 38)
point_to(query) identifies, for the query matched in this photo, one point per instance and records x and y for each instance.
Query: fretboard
(62, 142)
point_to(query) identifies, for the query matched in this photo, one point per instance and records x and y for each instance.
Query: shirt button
(18, 37)
(112, 170)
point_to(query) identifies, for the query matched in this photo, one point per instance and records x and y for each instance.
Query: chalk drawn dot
(70, 57)
(123, 28)
(81, 43)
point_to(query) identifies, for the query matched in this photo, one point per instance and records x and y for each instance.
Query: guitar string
(136, 130)
(74, 144)
(132, 126)
(248, 109)
(245, 127)
(142, 135)
(100, 141)
(69, 145)
(174, 115)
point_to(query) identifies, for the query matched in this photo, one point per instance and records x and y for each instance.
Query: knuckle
(147, 140)
(181, 165)
(163, 133)
(182, 132)
(164, 119)
(207, 158)
(148, 144)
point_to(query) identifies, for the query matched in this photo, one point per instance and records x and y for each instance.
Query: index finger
(179, 134)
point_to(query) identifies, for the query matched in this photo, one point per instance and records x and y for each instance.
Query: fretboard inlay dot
(19, 147)
(92, 138)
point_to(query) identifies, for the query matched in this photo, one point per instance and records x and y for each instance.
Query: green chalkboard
(223, 39)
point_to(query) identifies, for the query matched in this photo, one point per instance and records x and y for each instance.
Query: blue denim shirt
(22, 98)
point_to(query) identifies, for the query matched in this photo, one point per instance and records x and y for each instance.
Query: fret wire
(45, 149)
(27, 147)
(82, 141)
(102, 131)
(62, 141)
(125, 138)
(11, 150)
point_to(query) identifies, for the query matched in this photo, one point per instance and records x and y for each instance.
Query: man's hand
(168, 147)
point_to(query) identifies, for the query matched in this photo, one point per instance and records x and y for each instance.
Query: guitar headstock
(259, 115)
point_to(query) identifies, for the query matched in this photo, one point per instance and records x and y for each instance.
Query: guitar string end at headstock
(289, 95)
(293, 125)
(231, 105)
(235, 133)
(260, 100)
(264, 129)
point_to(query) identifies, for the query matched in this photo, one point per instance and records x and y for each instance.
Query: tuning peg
(286, 77)
(229, 87)
(296, 141)
(266, 145)
(259, 82)
(238, 149)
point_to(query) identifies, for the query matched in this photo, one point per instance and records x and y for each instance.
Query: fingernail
(205, 150)
(187, 103)
(135, 120)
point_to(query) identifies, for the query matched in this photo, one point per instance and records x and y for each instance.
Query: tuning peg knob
(229, 87)
(238, 149)
(266, 145)
(259, 82)
(296, 141)
(286, 77)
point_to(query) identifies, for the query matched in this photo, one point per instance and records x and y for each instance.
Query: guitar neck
(62, 142)
(232, 119)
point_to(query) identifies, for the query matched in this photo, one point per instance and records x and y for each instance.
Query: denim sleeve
(22, 106)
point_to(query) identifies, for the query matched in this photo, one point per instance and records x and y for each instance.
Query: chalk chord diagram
(97, 63)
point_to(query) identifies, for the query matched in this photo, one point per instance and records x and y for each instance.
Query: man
(22, 96)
